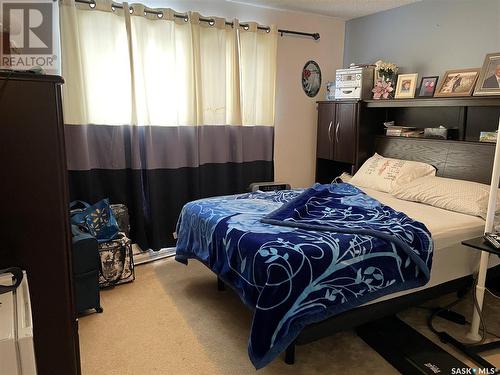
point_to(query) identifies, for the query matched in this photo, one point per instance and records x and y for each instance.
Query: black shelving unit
(470, 115)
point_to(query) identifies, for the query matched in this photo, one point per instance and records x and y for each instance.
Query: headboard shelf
(464, 157)
(471, 161)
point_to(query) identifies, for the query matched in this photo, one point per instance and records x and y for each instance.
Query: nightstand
(479, 243)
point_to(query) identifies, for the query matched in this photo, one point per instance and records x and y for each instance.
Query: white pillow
(386, 174)
(466, 197)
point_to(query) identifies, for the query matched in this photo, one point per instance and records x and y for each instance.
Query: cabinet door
(326, 119)
(345, 133)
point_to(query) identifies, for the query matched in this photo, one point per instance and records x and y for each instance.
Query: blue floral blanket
(298, 257)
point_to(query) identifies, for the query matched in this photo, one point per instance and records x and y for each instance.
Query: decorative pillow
(466, 197)
(386, 174)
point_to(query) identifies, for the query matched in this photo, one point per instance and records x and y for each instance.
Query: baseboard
(143, 257)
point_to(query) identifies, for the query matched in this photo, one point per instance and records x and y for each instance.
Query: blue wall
(426, 37)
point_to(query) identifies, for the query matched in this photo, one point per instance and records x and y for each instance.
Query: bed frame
(472, 161)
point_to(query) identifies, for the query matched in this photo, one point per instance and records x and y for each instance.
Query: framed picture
(376, 75)
(330, 90)
(489, 79)
(457, 83)
(405, 88)
(427, 86)
(311, 78)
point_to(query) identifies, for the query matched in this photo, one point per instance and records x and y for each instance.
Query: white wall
(295, 126)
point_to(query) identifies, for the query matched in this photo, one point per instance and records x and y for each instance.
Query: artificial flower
(382, 89)
(386, 67)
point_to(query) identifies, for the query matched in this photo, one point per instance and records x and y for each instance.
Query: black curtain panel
(155, 170)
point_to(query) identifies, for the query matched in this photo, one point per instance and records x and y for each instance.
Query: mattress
(451, 260)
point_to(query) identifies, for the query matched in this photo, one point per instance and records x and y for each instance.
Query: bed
(452, 264)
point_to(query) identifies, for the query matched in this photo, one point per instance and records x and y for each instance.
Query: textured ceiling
(345, 9)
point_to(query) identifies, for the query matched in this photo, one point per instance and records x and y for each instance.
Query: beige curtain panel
(126, 67)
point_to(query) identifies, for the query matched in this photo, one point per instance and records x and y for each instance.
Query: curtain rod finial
(316, 36)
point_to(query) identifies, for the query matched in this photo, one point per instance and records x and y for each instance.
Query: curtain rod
(210, 21)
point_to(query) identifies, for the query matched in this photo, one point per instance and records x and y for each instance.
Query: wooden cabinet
(338, 139)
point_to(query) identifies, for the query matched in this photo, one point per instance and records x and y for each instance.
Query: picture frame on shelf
(458, 82)
(376, 75)
(488, 82)
(427, 86)
(488, 136)
(406, 85)
(330, 90)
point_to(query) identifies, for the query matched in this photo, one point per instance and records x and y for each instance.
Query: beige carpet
(172, 320)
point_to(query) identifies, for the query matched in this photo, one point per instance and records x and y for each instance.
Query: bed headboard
(472, 161)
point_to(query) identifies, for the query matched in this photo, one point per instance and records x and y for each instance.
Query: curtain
(204, 89)
(258, 75)
(160, 110)
(164, 71)
(95, 63)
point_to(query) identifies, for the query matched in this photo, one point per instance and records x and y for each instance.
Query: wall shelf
(486, 101)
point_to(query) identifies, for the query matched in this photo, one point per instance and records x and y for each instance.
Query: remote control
(493, 239)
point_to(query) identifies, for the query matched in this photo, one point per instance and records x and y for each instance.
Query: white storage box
(16, 330)
(8, 352)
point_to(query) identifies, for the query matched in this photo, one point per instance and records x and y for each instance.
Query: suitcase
(117, 263)
(86, 265)
(120, 212)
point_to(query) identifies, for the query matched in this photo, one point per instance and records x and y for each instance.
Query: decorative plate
(311, 78)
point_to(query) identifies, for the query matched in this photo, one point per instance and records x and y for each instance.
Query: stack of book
(403, 131)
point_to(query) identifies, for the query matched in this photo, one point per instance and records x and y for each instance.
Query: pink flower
(382, 89)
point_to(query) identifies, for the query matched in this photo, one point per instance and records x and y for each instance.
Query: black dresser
(34, 228)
